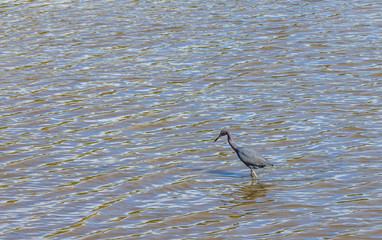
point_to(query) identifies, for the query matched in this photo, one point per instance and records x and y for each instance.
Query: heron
(249, 157)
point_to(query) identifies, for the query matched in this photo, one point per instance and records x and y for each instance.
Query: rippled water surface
(109, 110)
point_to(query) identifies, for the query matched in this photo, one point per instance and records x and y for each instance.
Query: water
(110, 109)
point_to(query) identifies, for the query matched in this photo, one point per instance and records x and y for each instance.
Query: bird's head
(223, 132)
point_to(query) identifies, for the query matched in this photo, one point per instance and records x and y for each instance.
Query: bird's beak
(218, 137)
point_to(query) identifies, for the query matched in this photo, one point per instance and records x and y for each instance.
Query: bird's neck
(231, 142)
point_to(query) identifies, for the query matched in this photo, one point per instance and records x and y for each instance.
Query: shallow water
(110, 109)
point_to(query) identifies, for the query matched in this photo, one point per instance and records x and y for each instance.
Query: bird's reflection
(248, 192)
(253, 190)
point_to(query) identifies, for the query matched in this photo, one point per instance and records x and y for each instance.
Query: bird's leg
(253, 173)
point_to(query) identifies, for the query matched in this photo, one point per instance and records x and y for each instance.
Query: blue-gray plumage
(250, 158)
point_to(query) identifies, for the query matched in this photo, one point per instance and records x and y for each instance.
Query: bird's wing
(252, 157)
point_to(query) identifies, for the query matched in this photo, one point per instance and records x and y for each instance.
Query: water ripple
(108, 119)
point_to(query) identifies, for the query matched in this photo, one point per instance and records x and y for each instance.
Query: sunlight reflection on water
(109, 118)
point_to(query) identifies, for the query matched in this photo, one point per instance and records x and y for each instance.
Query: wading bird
(250, 158)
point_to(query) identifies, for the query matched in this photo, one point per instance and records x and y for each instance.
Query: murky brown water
(110, 109)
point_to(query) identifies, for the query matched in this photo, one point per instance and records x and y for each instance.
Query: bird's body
(250, 158)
